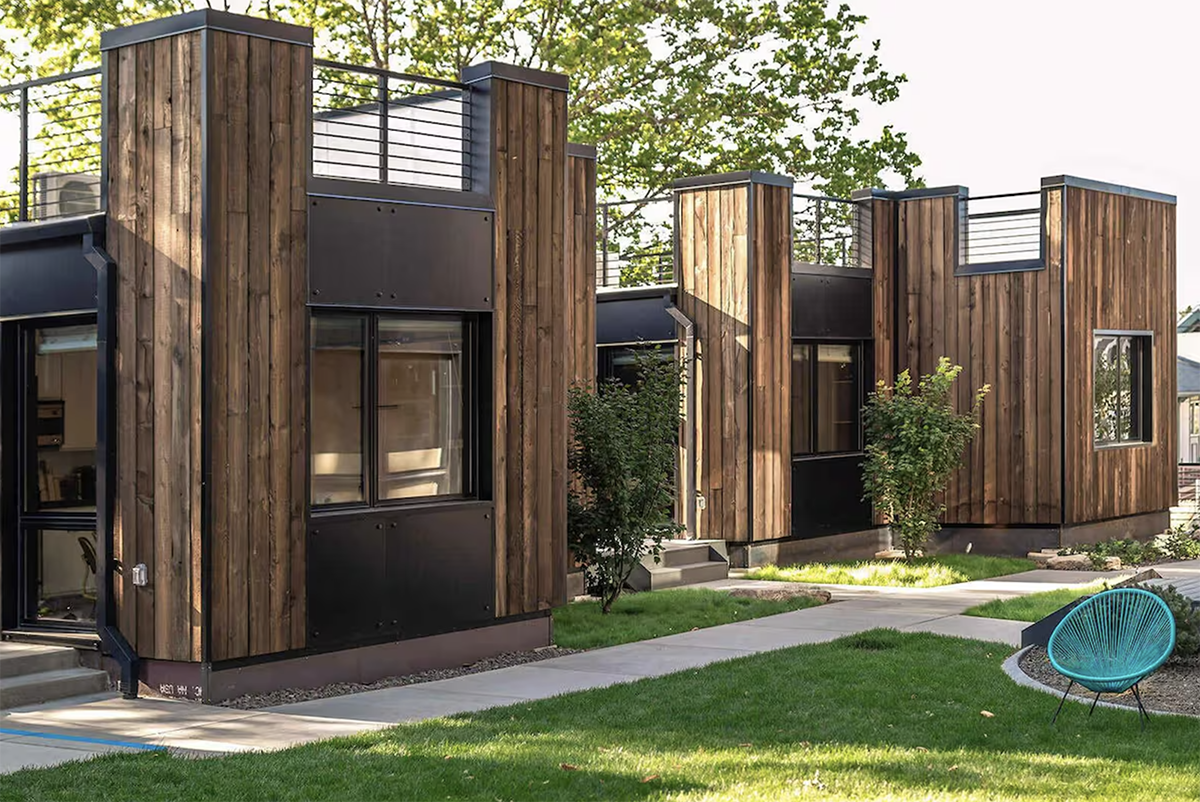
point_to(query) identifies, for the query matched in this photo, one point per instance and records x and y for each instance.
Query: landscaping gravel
(1174, 688)
(290, 695)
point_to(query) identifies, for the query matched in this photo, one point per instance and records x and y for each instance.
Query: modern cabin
(286, 346)
(789, 308)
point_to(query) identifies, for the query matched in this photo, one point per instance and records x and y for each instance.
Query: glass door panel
(64, 420)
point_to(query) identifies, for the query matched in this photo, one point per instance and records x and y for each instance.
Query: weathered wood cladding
(734, 246)
(530, 335)
(771, 362)
(259, 106)
(234, 274)
(581, 269)
(1005, 330)
(1120, 275)
(154, 219)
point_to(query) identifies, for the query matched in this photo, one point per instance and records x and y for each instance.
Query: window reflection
(65, 419)
(337, 378)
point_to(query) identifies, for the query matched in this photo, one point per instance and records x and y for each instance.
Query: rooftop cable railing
(1002, 229)
(390, 128)
(635, 243)
(830, 231)
(54, 123)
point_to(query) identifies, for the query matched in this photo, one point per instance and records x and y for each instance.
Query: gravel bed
(1174, 688)
(286, 696)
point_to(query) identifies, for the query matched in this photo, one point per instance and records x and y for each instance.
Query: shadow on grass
(876, 714)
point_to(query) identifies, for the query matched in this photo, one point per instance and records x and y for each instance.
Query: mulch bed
(286, 696)
(1174, 688)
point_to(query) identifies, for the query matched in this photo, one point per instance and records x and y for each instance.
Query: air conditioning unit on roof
(64, 195)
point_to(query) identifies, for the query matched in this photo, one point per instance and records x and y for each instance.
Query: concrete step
(675, 556)
(18, 659)
(48, 686)
(662, 577)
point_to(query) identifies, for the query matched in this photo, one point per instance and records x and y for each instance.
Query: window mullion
(371, 410)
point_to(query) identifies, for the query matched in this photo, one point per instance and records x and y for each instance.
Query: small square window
(1121, 388)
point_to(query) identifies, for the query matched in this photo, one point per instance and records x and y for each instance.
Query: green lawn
(922, 572)
(881, 715)
(1035, 606)
(641, 616)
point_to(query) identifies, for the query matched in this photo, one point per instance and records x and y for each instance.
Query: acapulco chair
(1111, 642)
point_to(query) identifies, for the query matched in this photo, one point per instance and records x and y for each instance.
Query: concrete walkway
(49, 734)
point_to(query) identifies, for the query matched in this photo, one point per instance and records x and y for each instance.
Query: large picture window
(826, 398)
(388, 408)
(1121, 388)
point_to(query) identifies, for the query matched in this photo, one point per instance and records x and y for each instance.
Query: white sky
(1003, 92)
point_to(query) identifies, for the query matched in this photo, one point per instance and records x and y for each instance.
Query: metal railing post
(604, 244)
(819, 232)
(23, 169)
(383, 129)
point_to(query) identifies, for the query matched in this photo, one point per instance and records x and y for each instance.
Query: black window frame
(471, 479)
(1141, 349)
(860, 357)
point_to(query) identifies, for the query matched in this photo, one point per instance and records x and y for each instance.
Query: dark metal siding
(631, 320)
(832, 306)
(827, 496)
(364, 253)
(45, 277)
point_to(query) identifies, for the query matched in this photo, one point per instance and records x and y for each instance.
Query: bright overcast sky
(1000, 94)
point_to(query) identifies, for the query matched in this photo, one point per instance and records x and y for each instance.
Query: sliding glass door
(56, 526)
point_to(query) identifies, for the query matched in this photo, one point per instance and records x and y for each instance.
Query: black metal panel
(347, 582)
(827, 496)
(440, 568)
(364, 253)
(833, 306)
(9, 466)
(45, 277)
(399, 572)
(625, 319)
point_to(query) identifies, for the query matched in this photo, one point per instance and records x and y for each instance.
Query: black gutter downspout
(689, 416)
(111, 639)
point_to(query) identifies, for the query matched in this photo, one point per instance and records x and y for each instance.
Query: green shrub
(622, 464)
(1130, 552)
(915, 441)
(1187, 620)
(1180, 543)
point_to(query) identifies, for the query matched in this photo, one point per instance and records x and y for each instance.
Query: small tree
(622, 463)
(915, 440)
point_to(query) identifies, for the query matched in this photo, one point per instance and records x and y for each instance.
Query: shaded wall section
(581, 263)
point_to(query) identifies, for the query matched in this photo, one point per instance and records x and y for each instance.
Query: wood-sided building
(1061, 299)
(297, 415)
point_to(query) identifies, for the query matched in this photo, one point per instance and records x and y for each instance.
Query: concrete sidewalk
(49, 734)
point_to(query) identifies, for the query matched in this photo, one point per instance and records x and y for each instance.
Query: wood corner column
(519, 158)
(734, 244)
(208, 125)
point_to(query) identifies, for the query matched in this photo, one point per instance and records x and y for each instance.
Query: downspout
(111, 639)
(689, 416)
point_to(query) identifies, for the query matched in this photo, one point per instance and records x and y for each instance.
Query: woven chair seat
(1113, 640)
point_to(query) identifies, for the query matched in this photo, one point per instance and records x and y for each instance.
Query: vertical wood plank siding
(735, 285)
(581, 269)
(154, 210)
(1005, 330)
(259, 133)
(1120, 274)
(258, 107)
(530, 331)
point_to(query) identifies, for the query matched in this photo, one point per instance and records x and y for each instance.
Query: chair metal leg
(1070, 685)
(1141, 709)
(1093, 707)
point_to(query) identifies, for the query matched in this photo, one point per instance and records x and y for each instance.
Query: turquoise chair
(1111, 642)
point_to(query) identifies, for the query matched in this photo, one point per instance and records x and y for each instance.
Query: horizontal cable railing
(635, 243)
(390, 128)
(1001, 228)
(51, 127)
(831, 231)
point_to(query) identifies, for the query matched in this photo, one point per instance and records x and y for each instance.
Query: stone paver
(209, 730)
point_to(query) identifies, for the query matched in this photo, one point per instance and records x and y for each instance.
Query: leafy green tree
(622, 463)
(915, 441)
(665, 88)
